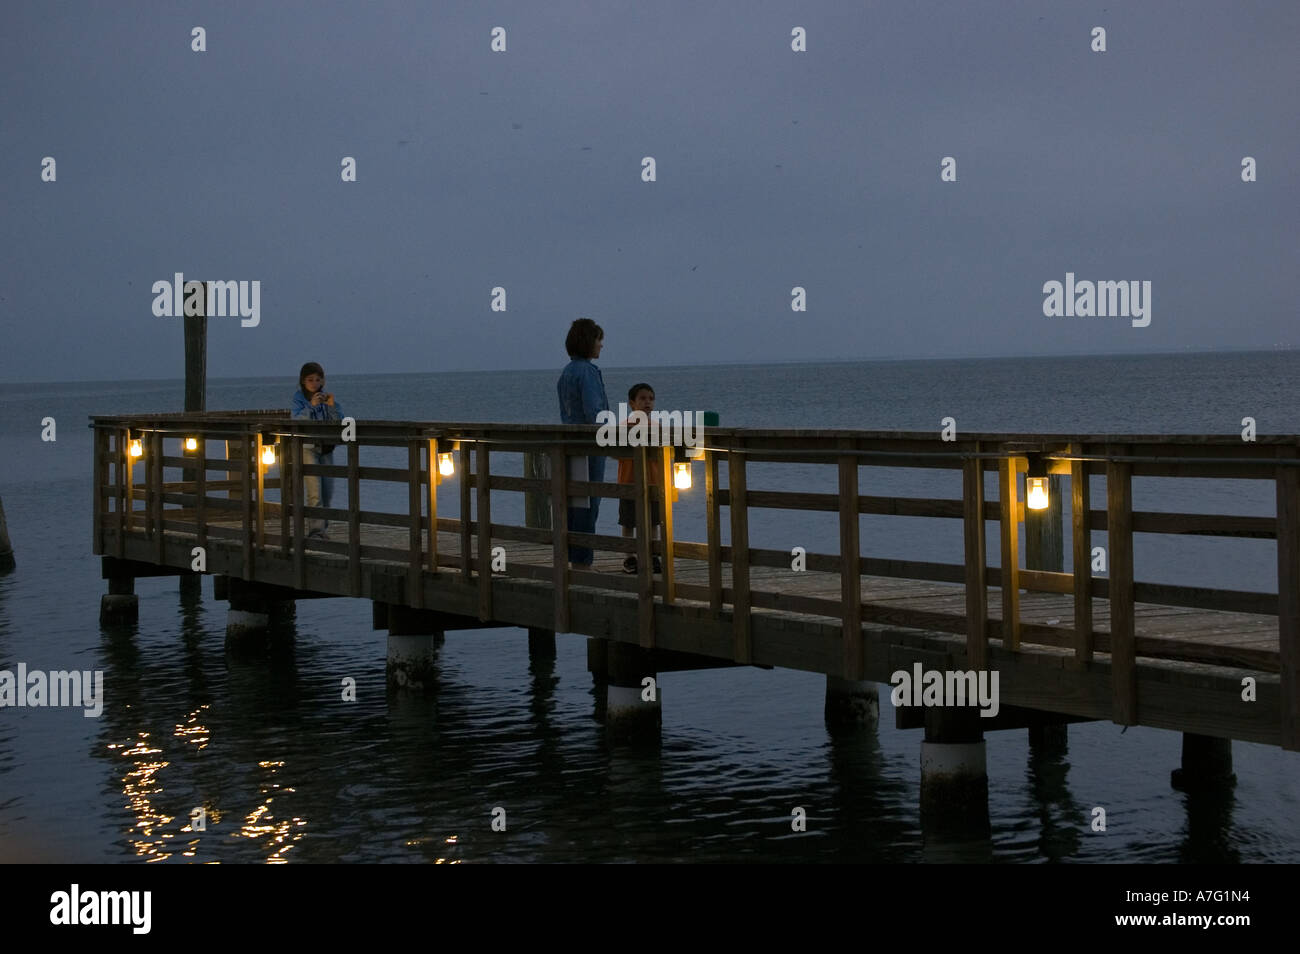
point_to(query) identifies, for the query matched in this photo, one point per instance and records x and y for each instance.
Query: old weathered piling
(7, 562)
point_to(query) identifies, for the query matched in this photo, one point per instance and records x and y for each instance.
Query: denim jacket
(582, 392)
(303, 410)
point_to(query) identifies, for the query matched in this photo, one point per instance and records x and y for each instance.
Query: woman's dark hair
(583, 335)
(311, 367)
(636, 389)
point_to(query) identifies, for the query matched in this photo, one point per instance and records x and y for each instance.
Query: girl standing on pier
(582, 396)
(312, 402)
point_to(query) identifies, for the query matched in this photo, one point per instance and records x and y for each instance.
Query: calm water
(288, 772)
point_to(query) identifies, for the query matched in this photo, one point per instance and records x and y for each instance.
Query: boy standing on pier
(640, 402)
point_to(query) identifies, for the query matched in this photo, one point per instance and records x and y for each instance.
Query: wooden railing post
(465, 535)
(261, 492)
(1081, 540)
(713, 530)
(286, 495)
(666, 492)
(433, 505)
(977, 597)
(1288, 600)
(245, 486)
(414, 503)
(100, 468)
(645, 563)
(560, 536)
(483, 484)
(850, 567)
(201, 493)
(742, 647)
(354, 514)
(125, 492)
(1008, 494)
(157, 465)
(1119, 539)
(299, 518)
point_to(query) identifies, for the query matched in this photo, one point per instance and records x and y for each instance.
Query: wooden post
(201, 494)
(483, 484)
(299, 519)
(645, 563)
(742, 648)
(560, 536)
(97, 538)
(666, 491)
(1081, 539)
(286, 494)
(414, 503)
(433, 505)
(977, 597)
(714, 534)
(850, 568)
(537, 509)
(465, 535)
(245, 486)
(1008, 494)
(261, 492)
(354, 515)
(125, 500)
(1044, 531)
(157, 464)
(1288, 602)
(1119, 538)
(196, 384)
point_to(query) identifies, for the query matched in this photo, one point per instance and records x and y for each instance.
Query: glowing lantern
(136, 449)
(446, 466)
(682, 475)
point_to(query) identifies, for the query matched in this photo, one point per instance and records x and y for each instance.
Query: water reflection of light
(138, 784)
(280, 834)
(193, 731)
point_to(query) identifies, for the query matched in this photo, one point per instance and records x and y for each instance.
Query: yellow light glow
(682, 476)
(191, 443)
(268, 456)
(136, 448)
(1036, 493)
(446, 466)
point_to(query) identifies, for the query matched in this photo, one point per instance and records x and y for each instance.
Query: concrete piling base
(1207, 764)
(120, 604)
(954, 773)
(851, 704)
(633, 708)
(413, 639)
(248, 621)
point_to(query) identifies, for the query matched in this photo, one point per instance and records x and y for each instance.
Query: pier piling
(7, 562)
(119, 604)
(954, 772)
(851, 703)
(1207, 764)
(413, 638)
(633, 708)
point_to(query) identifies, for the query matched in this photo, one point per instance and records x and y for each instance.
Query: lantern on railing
(268, 455)
(682, 475)
(135, 448)
(1036, 484)
(191, 444)
(446, 464)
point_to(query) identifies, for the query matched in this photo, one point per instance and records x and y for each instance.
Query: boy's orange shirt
(653, 466)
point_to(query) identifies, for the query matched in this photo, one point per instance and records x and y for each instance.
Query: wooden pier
(1068, 646)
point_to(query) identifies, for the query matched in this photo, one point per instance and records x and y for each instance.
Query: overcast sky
(523, 169)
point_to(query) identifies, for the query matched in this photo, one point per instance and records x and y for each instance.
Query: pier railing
(257, 512)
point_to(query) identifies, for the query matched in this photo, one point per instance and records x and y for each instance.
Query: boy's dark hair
(583, 335)
(311, 367)
(636, 389)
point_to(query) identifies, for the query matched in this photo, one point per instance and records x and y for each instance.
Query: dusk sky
(523, 169)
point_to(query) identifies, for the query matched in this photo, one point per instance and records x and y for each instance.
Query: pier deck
(1131, 652)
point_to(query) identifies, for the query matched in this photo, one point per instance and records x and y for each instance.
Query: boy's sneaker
(629, 565)
(659, 567)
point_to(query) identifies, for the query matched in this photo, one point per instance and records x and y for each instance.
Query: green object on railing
(710, 418)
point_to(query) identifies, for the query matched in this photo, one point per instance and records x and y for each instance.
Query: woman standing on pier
(311, 402)
(582, 396)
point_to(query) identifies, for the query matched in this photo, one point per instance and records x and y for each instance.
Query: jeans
(583, 519)
(317, 491)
